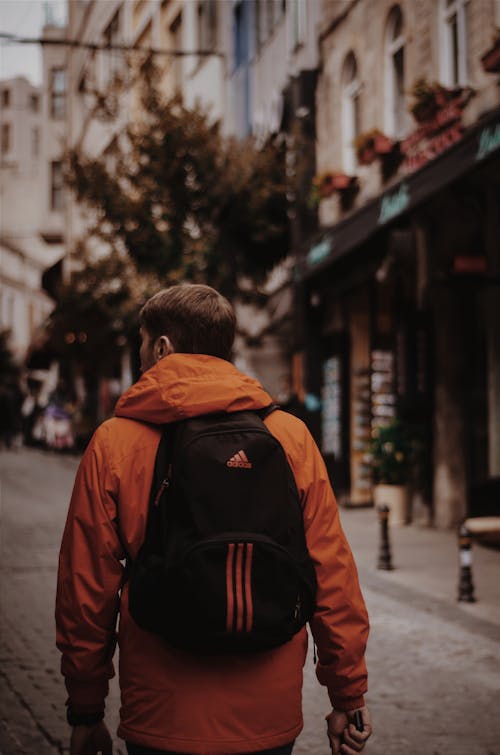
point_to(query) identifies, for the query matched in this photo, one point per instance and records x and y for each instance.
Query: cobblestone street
(434, 668)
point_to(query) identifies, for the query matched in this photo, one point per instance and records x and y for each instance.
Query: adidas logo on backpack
(239, 460)
(224, 566)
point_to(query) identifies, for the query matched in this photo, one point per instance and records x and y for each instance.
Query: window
(137, 12)
(207, 25)
(176, 35)
(35, 142)
(5, 97)
(112, 59)
(260, 23)
(240, 84)
(454, 67)
(298, 22)
(240, 35)
(56, 186)
(351, 89)
(57, 93)
(34, 102)
(395, 104)
(5, 138)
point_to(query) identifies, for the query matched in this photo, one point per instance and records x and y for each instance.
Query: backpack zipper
(237, 537)
(164, 485)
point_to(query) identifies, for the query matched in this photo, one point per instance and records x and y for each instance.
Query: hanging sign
(433, 137)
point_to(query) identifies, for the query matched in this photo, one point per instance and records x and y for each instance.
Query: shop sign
(394, 204)
(489, 141)
(319, 252)
(434, 137)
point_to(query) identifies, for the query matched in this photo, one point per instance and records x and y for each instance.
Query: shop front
(403, 329)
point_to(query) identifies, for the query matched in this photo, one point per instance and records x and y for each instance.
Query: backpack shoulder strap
(266, 411)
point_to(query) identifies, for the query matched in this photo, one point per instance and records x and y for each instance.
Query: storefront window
(332, 407)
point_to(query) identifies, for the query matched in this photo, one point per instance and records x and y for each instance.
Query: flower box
(341, 181)
(366, 156)
(430, 98)
(326, 184)
(383, 145)
(491, 58)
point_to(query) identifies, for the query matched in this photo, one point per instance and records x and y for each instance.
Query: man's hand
(344, 738)
(90, 740)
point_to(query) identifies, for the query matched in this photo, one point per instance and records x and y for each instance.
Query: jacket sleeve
(89, 579)
(340, 624)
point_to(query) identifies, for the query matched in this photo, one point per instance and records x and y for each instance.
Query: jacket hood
(187, 385)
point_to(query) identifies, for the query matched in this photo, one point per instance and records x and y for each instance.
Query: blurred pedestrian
(58, 429)
(180, 701)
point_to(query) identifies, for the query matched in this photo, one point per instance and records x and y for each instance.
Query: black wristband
(83, 719)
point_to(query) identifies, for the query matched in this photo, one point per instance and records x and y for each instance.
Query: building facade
(249, 62)
(400, 286)
(31, 202)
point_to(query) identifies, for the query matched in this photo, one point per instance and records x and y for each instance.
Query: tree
(184, 202)
(96, 311)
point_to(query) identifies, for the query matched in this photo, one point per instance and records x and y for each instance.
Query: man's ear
(163, 347)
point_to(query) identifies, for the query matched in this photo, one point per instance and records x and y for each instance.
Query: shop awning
(478, 144)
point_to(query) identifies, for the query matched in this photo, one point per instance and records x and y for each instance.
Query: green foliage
(183, 201)
(391, 451)
(96, 311)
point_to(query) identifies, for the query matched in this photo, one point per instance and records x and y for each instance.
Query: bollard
(465, 585)
(384, 557)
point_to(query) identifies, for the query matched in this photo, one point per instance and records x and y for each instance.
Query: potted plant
(364, 144)
(391, 464)
(372, 144)
(327, 183)
(491, 58)
(428, 98)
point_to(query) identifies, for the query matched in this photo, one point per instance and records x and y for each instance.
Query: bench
(483, 511)
(482, 525)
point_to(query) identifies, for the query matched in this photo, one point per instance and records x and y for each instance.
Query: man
(174, 701)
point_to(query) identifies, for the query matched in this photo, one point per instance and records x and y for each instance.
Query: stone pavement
(434, 664)
(35, 487)
(426, 567)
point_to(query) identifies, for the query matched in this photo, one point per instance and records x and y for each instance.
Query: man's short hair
(196, 318)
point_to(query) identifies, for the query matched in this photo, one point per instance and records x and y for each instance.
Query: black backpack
(224, 566)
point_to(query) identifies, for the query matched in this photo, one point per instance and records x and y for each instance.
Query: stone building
(252, 63)
(400, 285)
(31, 196)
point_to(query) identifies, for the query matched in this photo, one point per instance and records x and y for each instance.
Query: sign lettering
(434, 137)
(394, 204)
(318, 252)
(489, 141)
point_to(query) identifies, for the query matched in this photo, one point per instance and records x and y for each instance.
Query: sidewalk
(426, 568)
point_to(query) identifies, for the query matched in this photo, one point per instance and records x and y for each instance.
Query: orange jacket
(171, 699)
